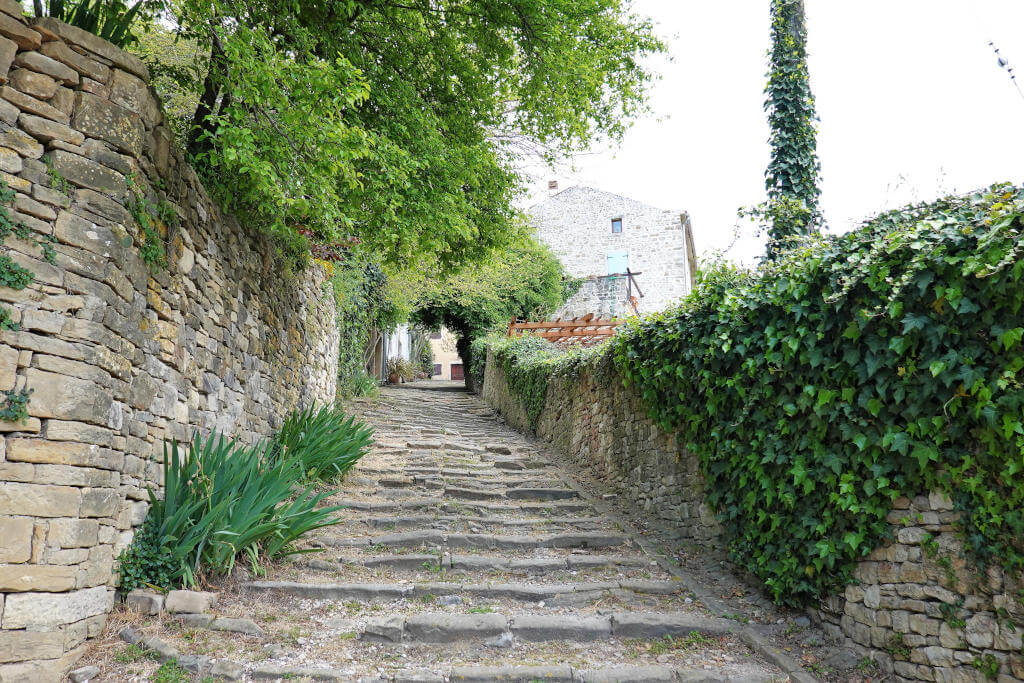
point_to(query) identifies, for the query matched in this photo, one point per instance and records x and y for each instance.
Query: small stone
(244, 626)
(86, 673)
(130, 635)
(144, 601)
(801, 622)
(190, 602)
(449, 600)
(224, 668)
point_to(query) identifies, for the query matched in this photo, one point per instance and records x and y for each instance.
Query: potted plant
(394, 370)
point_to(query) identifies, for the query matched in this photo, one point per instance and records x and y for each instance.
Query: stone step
(444, 627)
(524, 493)
(469, 563)
(426, 521)
(430, 538)
(426, 503)
(499, 591)
(554, 673)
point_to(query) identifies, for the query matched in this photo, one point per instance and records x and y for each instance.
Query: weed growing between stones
(154, 220)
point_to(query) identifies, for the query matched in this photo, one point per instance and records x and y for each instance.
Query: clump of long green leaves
(221, 500)
(326, 443)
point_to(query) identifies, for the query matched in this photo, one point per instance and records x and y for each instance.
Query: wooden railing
(584, 331)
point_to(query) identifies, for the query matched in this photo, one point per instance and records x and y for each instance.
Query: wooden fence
(584, 331)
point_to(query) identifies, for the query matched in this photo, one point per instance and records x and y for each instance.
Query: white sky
(911, 101)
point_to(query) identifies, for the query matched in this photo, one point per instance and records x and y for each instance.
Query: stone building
(447, 364)
(602, 236)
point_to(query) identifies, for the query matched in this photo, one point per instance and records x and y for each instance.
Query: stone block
(49, 610)
(86, 173)
(46, 130)
(22, 35)
(36, 61)
(980, 630)
(8, 367)
(85, 66)
(190, 602)
(18, 646)
(144, 601)
(450, 628)
(68, 398)
(133, 94)
(33, 83)
(21, 142)
(74, 533)
(104, 120)
(15, 538)
(8, 49)
(39, 500)
(10, 161)
(41, 451)
(21, 578)
(560, 627)
(95, 45)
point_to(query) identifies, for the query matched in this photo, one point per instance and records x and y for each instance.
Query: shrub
(221, 500)
(529, 362)
(848, 372)
(325, 442)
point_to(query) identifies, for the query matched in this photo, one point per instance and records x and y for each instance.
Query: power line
(1003, 62)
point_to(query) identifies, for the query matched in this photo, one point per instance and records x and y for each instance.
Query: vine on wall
(849, 371)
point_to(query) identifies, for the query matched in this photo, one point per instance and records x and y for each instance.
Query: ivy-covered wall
(856, 407)
(131, 311)
(584, 411)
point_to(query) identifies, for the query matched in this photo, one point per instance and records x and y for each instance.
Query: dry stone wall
(118, 356)
(601, 426)
(916, 607)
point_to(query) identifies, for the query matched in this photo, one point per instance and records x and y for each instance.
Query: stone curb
(197, 664)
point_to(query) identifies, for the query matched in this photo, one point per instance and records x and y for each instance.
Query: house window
(616, 225)
(437, 369)
(435, 335)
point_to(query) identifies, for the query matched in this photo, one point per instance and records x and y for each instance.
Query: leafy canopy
(398, 122)
(525, 281)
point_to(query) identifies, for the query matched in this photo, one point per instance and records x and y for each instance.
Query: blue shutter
(618, 262)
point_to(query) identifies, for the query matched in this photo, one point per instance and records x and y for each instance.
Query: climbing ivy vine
(846, 372)
(792, 176)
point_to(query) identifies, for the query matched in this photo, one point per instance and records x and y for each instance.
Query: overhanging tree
(398, 121)
(792, 178)
(525, 281)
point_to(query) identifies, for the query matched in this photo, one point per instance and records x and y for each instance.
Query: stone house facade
(599, 235)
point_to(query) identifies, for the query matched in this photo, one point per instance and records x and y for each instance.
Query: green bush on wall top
(850, 371)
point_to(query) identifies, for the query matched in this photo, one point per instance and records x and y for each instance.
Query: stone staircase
(465, 555)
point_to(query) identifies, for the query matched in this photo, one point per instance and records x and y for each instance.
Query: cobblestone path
(466, 555)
